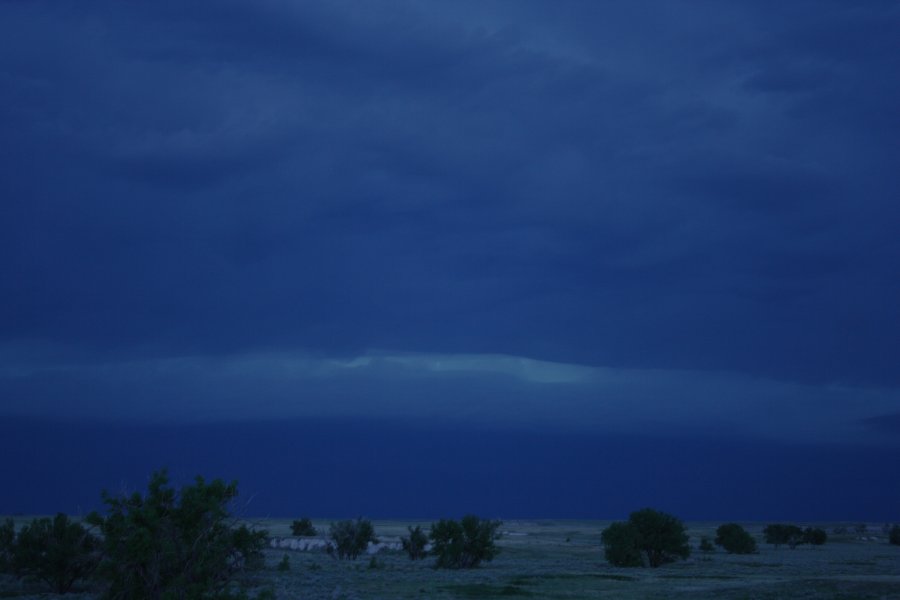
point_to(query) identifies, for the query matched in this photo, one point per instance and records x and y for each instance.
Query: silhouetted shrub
(7, 540)
(648, 533)
(414, 544)
(779, 533)
(351, 538)
(284, 564)
(464, 544)
(303, 528)
(734, 539)
(621, 545)
(894, 535)
(58, 552)
(815, 536)
(182, 544)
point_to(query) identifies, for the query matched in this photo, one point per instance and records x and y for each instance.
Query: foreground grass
(563, 559)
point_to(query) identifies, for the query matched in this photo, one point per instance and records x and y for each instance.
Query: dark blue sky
(660, 225)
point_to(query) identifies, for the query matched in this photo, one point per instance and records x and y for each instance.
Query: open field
(564, 559)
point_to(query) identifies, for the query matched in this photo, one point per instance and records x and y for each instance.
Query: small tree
(58, 552)
(351, 538)
(815, 536)
(650, 534)
(464, 544)
(176, 544)
(303, 528)
(894, 535)
(414, 544)
(621, 545)
(734, 539)
(779, 533)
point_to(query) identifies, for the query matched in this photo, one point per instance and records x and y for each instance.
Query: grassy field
(563, 559)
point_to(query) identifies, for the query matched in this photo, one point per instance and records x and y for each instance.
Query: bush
(414, 544)
(284, 564)
(351, 538)
(303, 528)
(706, 547)
(734, 539)
(464, 544)
(622, 545)
(176, 544)
(58, 552)
(894, 535)
(815, 536)
(778, 533)
(650, 534)
(7, 540)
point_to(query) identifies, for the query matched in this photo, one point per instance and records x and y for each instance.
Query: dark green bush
(648, 533)
(176, 544)
(621, 545)
(734, 539)
(779, 533)
(351, 538)
(706, 547)
(464, 544)
(894, 535)
(7, 541)
(284, 564)
(815, 536)
(303, 528)
(414, 544)
(58, 552)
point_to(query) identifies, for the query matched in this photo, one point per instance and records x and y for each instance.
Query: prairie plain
(564, 559)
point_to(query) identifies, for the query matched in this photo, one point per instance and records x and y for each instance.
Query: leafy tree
(650, 534)
(779, 533)
(351, 538)
(172, 544)
(58, 552)
(735, 539)
(815, 536)
(464, 544)
(621, 545)
(303, 527)
(7, 542)
(414, 544)
(894, 535)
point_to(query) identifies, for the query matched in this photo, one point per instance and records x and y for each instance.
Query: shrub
(414, 544)
(778, 533)
(171, 544)
(649, 533)
(7, 540)
(706, 547)
(894, 535)
(303, 527)
(351, 538)
(58, 552)
(734, 539)
(815, 536)
(284, 564)
(622, 545)
(464, 544)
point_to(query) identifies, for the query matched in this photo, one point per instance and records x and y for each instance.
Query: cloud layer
(694, 204)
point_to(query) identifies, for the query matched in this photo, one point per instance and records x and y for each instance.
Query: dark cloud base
(339, 468)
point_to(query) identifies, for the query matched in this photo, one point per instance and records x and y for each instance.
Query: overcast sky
(584, 217)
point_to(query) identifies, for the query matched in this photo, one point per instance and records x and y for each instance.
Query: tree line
(185, 544)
